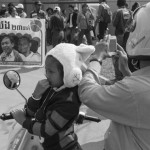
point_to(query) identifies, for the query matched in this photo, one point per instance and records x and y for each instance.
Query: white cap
(3, 5)
(57, 8)
(76, 8)
(73, 60)
(20, 6)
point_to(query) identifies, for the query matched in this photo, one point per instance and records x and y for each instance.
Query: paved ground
(90, 134)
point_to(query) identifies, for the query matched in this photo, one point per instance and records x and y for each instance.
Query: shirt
(23, 15)
(32, 57)
(82, 21)
(126, 103)
(40, 15)
(13, 56)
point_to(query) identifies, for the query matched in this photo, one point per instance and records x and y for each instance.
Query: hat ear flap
(85, 51)
(73, 78)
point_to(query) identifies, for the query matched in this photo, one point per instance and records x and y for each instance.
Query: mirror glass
(11, 79)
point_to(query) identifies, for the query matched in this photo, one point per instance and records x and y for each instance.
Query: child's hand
(41, 87)
(19, 115)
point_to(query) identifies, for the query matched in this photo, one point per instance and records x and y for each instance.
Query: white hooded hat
(72, 58)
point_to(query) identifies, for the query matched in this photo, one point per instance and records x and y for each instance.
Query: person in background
(72, 23)
(24, 47)
(57, 26)
(83, 23)
(91, 22)
(49, 12)
(20, 10)
(66, 29)
(3, 11)
(54, 104)
(121, 17)
(126, 102)
(101, 18)
(9, 53)
(38, 12)
(9, 6)
(13, 13)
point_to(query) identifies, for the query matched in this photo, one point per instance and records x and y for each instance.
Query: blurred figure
(83, 23)
(38, 12)
(49, 12)
(122, 15)
(57, 27)
(91, 22)
(13, 13)
(72, 23)
(3, 11)
(103, 11)
(9, 6)
(20, 10)
(66, 31)
(135, 6)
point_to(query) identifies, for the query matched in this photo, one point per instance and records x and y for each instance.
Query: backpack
(126, 15)
(106, 13)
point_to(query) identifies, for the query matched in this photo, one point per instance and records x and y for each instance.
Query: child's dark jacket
(56, 111)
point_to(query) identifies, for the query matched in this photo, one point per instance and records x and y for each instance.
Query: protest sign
(22, 42)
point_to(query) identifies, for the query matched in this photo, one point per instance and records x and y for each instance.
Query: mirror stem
(22, 95)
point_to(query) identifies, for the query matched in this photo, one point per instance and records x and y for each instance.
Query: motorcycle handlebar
(79, 120)
(6, 116)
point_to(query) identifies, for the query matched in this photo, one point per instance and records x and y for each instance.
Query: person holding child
(54, 104)
(127, 102)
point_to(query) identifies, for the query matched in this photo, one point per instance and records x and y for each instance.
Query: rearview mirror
(11, 79)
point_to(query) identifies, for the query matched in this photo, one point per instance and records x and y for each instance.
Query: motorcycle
(19, 138)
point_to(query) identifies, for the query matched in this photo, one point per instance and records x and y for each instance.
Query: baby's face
(52, 73)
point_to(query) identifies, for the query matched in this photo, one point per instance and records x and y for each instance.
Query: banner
(22, 42)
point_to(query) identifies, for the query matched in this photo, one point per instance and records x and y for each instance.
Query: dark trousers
(102, 30)
(87, 33)
(57, 37)
(71, 36)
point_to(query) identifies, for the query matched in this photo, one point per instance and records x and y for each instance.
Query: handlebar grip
(91, 118)
(81, 117)
(6, 116)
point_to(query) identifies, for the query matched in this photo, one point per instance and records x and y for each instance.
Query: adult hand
(41, 87)
(19, 115)
(101, 49)
(123, 61)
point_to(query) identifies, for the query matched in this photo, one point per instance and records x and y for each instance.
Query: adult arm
(114, 101)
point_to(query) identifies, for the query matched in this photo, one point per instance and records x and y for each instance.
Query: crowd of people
(55, 102)
(76, 26)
